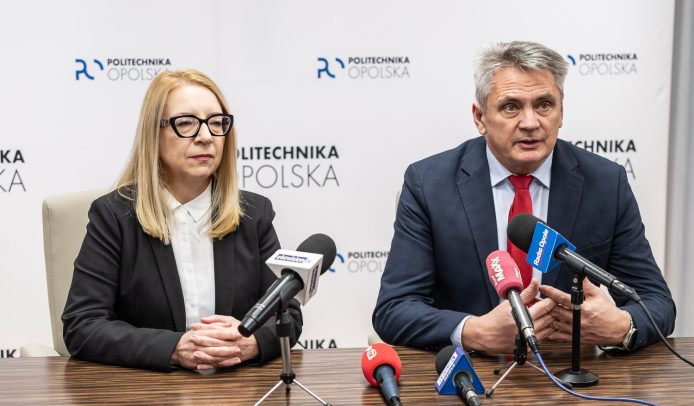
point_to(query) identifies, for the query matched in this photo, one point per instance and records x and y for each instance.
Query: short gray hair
(524, 55)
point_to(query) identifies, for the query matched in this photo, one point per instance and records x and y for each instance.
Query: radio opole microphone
(545, 247)
(457, 376)
(532, 236)
(298, 273)
(506, 278)
(381, 367)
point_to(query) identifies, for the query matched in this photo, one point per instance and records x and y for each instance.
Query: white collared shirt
(193, 252)
(503, 193)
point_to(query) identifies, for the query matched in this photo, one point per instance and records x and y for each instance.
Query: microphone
(506, 278)
(457, 376)
(381, 367)
(298, 273)
(535, 237)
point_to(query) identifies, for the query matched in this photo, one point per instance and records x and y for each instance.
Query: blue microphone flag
(458, 363)
(541, 251)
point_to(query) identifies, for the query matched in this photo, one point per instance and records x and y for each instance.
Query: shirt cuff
(457, 334)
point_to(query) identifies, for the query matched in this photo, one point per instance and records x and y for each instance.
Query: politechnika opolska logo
(288, 166)
(364, 67)
(11, 161)
(117, 69)
(360, 261)
(317, 343)
(619, 150)
(605, 64)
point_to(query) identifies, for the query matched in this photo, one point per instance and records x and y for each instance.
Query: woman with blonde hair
(175, 255)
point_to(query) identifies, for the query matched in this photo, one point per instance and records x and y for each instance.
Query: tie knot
(520, 182)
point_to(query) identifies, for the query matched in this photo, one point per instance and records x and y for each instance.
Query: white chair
(373, 337)
(64, 226)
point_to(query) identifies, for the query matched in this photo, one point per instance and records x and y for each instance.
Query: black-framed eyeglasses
(188, 125)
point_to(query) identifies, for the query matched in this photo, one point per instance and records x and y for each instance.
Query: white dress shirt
(194, 255)
(503, 193)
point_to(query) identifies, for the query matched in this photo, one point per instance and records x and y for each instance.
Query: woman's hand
(220, 344)
(215, 342)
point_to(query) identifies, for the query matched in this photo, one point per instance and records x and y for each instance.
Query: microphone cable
(588, 397)
(662, 338)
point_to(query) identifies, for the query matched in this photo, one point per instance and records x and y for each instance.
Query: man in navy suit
(454, 210)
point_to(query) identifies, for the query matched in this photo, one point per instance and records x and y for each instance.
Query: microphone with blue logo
(298, 274)
(546, 248)
(457, 376)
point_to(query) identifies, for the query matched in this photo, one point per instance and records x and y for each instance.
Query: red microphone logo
(371, 352)
(503, 273)
(377, 355)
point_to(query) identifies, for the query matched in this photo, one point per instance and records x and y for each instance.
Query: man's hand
(495, 332)
(602, 322)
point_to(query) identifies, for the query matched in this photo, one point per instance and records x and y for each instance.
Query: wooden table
(335, 375)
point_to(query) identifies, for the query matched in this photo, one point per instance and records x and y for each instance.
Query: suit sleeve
(632, 262)
(91, 329)
(266, 335)
(405, 312)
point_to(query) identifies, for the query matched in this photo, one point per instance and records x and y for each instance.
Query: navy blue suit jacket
(446, 226)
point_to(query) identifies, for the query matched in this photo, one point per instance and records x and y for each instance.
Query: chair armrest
(37, 350)
(373, 338)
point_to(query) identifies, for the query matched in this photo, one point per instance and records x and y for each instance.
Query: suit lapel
(224, 251)
(564, 197)
(166, 264)
(476, 194)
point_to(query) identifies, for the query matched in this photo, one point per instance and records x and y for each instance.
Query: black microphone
(522, 231)
(298, 273)
(460, 371)
(506, 278)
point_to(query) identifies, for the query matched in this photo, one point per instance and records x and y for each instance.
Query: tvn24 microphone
(298, 273)
(457, 376)
(381, 367)
(533, 236)
(506, 278)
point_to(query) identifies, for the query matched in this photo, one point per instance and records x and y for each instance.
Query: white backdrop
(401, 89)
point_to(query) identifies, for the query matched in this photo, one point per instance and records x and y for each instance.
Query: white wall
(76, 134)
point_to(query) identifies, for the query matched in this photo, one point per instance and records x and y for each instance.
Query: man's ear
(478, 117)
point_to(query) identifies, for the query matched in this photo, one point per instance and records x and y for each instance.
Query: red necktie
(521, 204)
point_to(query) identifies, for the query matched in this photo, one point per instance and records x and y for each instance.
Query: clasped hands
(602, 322)
(213, 343)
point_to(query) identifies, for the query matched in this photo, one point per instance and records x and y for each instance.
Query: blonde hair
(141, 179)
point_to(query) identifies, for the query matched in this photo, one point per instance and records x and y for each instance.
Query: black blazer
(446, 226)
(125, 304)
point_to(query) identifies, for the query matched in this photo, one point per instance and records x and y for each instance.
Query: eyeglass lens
(188, 126)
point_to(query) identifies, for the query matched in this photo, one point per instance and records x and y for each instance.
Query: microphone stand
(520, 356)
(576, 375)
(287, 376)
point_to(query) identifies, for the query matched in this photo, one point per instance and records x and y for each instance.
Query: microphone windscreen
(504, 273)
(376, 355)
(323, 245)
(442, 358)
(452, 361)
(520, 230)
